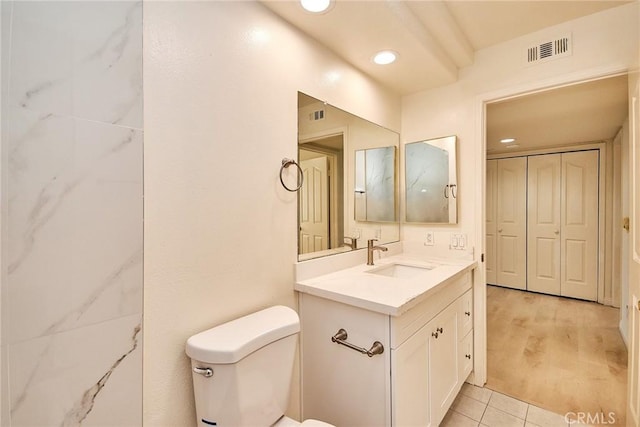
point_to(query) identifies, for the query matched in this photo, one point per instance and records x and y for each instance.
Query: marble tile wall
(72, 223)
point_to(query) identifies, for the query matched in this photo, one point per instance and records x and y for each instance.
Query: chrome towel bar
(341, 338)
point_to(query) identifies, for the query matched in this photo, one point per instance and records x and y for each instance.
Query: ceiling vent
(549, 49)
(316, 115)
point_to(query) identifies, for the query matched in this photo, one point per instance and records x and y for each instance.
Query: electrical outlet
(430, 239)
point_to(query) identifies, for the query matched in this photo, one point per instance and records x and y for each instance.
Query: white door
(314, 209)
(490, 239)
(633, 394)
(579, 220)
(511, 259)
(543, 223)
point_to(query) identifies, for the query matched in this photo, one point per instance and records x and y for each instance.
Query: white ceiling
(587, 112)
(435, 38)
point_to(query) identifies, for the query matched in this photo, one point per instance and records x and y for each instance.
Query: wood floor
(559, 354)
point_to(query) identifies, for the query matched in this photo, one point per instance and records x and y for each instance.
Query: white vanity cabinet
(412, 383)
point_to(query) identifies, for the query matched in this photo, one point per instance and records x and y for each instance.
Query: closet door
(511, 260)
(490, 228)
(543, 223)
(579, 219)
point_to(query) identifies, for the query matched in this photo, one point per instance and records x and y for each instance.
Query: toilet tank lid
(234, 340)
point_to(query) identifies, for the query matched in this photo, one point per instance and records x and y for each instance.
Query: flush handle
(205, 372)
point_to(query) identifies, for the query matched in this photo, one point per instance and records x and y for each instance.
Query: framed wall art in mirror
(431, 181)
(374, 193)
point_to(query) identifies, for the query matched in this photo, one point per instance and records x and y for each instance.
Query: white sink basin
(400, 271)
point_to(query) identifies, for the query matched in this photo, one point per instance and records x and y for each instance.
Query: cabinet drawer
(465, 356)
(410, 322)
(465, 316)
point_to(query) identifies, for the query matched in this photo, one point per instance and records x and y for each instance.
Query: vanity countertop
(359, 287)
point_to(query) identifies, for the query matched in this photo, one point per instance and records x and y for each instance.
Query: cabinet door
(512, 223)
(465, 356)
(340, 385)
(465, 313)
(410, 385)
(443, 361)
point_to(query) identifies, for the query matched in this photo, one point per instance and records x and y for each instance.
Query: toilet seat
(288, 422)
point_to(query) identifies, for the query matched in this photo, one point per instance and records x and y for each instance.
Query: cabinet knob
(434, 334)
(468, 313)
(440, 330)
(468, 356)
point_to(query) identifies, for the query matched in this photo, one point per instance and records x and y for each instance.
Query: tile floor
(480, 407)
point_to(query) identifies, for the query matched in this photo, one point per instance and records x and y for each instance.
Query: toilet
(242, 370)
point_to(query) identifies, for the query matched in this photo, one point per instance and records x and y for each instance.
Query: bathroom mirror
(329, 143)
(431, 181)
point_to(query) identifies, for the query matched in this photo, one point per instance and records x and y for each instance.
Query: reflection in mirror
(375, 184)
(328, 142)
(431, 181)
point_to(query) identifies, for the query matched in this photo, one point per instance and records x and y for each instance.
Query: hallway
(560, 354)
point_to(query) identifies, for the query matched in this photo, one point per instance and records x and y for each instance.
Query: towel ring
(285, 164)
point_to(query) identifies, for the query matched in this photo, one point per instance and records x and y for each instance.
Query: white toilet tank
(242, 369)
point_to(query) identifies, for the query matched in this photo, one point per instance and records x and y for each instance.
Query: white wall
(220, 94)
(601, 43)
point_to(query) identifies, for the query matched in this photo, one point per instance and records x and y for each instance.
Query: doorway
(321, 213)
(551, 124)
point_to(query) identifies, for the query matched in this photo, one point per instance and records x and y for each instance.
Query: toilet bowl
(242, 370)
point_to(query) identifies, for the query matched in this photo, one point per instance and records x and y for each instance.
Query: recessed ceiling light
(315, 6)
(507, 140)
(385, 57)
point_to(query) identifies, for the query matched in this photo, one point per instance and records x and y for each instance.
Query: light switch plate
(458, 241)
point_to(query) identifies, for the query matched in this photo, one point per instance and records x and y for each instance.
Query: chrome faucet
(353, 242)
(371, 248)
